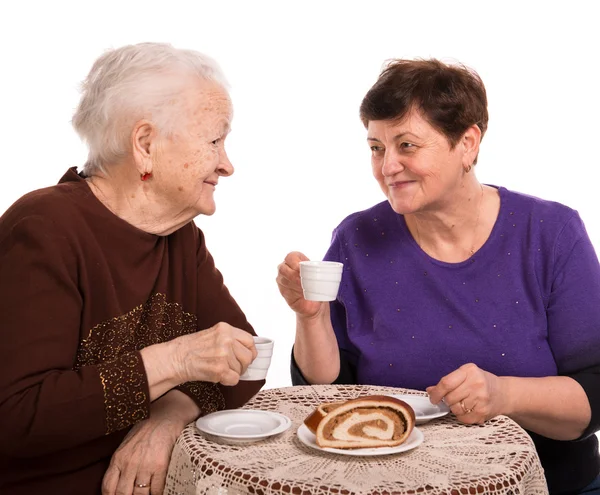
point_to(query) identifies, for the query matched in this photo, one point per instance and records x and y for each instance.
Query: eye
(376, 149)
(407, 146)
(216, 141)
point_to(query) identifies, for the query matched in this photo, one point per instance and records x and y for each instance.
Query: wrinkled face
(414, 164)
(188, 164)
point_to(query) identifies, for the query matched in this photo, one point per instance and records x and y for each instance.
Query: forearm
(316, 349)
(161, 370)
(556, 407)
(176, 406)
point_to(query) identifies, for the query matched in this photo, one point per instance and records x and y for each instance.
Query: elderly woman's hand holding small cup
(219, 354)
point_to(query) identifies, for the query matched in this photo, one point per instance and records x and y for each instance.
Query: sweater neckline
(480, 253)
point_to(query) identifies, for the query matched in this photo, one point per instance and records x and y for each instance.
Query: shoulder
(552, 216)
(53, 205)
(527, 203)
(372, 218)
(59, 212)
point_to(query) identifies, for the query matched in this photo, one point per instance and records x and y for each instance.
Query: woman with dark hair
(487, 298)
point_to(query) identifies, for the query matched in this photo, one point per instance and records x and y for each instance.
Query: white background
(298, 72)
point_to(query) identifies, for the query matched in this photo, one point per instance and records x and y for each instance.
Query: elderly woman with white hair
(116, 327)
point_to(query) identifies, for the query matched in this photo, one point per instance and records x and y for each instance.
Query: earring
(467, 169)
(145, 176)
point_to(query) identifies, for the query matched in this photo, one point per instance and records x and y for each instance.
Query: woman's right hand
(290, 287)
(219, 354)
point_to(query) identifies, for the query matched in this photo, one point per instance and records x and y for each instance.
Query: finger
(288, 284)
(229, 378)
(233, 363)
(244, 355)
(110, 480)
(127, 479)
(141, 490)
(291, 294)
(446, 385)
(288, 277)
(294, 258)
(158, 482)
(243, 337)
(143, 477)
(461, 400)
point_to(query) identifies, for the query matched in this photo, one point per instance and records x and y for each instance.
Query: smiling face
(187, 165)
(414, 164)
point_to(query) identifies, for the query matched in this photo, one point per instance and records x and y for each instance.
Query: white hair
(131, 83)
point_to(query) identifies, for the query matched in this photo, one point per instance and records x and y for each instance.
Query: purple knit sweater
(526, 304)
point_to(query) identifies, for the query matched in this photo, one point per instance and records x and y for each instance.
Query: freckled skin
(195, 153)
(184, 166)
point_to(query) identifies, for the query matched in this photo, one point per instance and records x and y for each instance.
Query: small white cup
(259, 367)
(320, 279)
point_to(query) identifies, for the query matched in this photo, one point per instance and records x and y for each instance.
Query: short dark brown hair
(451, 97)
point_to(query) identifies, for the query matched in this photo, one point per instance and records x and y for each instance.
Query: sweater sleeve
(215, 304)
(589, 380)
(574, 313)
(47, 404)
(347, 374)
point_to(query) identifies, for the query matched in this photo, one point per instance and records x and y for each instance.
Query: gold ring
(465, 410)
(142, 485)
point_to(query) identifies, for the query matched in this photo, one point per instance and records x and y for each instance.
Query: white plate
(424, 410)
(243, 425)
(415, 439)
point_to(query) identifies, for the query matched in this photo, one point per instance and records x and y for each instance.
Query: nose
(225, 167)
(391, 164)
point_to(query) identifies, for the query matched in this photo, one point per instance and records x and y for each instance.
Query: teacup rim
(322, 264)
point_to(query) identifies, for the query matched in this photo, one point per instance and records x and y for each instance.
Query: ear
(144, 143)
(470, 145)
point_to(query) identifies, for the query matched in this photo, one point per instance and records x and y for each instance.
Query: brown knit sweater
(81, 292)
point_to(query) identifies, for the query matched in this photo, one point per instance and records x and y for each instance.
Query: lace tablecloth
(455, 459)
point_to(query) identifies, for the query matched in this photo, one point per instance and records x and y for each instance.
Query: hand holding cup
(257, 370)
(307, 301)
(290, 286)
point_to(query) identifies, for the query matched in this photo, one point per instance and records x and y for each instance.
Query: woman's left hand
(144, 454)
(472, 394)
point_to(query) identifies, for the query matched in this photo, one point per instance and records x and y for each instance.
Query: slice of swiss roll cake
(365, 422)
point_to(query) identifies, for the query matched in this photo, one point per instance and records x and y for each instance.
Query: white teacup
(320, 279)
(259, 367)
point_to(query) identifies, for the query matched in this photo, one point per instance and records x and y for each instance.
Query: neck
(122, 191)
(453, 231)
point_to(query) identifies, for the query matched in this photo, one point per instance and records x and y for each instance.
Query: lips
(212, 183)
(400, 183)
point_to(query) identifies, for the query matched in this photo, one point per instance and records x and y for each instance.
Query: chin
(404, 206)
(206, 209)
(399, 207)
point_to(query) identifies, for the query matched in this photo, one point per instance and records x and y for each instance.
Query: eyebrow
(395, 138)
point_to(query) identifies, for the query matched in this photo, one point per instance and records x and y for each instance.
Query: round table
(454, 459)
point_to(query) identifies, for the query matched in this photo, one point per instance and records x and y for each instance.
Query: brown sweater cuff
(126, 392)
(207, 396)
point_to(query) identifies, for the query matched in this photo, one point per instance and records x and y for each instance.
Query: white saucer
(424, 410)
(415, 439)
(243, 425)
